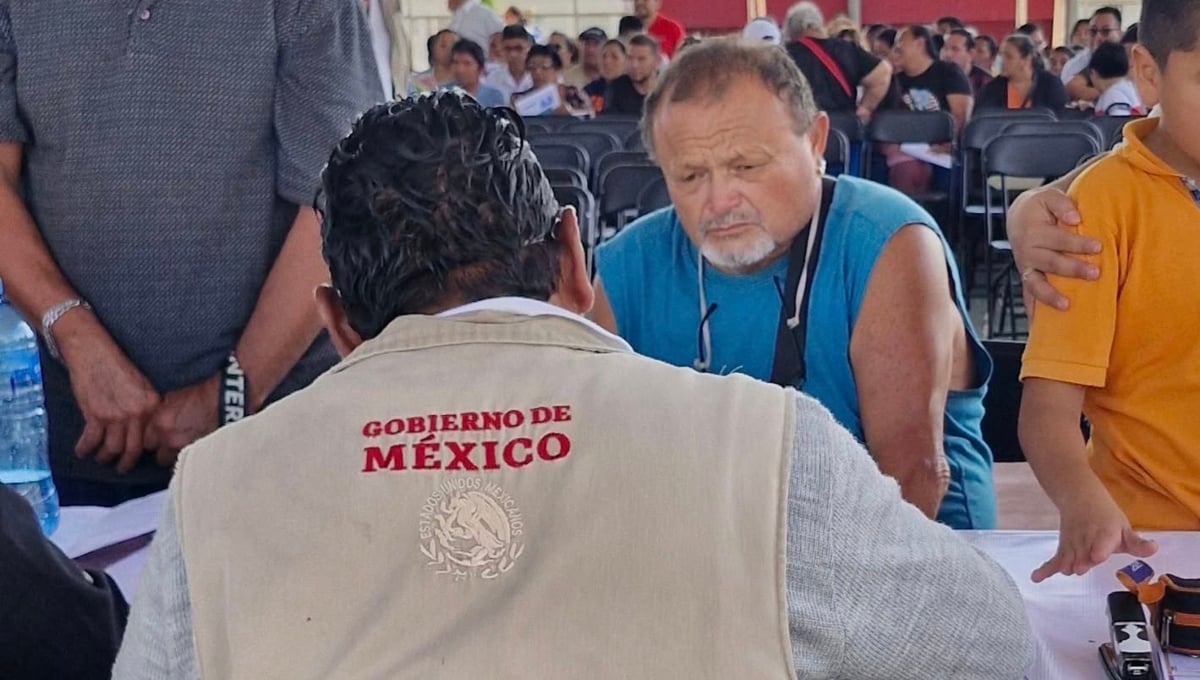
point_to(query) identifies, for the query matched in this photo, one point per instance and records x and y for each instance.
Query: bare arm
(902, 353)
(875, 86)
(1078, 89)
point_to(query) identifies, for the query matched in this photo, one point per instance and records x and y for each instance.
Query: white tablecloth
(1067, 613)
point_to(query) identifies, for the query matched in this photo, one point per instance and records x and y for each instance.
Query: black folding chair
(568, 176)
(585, 207)
(837, 153)
(612, 159)
(595, 143)
(919, 127)
(617, 126)
(619, 191)
(1086, 127)
(1113, 128)
(847, 123)
(549, 123)
(633, 141)
(1029, 114)
(1048, 155)
(653, 197)
(562, 156)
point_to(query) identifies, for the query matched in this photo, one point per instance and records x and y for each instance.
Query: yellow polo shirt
(1133, 337)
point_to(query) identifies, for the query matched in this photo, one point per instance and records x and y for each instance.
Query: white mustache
(735, 217)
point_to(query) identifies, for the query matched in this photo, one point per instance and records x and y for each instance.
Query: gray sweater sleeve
(158, 638)
(876, 590)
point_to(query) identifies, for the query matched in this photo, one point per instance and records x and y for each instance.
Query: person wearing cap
(587, 70)
(434, 507)
(762, 29)
(843, 288)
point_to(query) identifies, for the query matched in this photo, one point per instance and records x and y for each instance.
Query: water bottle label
(23, 378)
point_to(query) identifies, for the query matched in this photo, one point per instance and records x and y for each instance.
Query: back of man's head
(630, 25)
(1168, 26)
(802, 18)
(433, 202)
(1109, 60)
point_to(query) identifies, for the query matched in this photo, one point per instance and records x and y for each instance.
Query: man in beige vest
(491, 486)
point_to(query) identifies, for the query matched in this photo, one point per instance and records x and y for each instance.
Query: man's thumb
(1136, 545)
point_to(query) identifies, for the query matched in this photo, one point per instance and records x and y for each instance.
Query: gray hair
(801, 18)
(711, 67)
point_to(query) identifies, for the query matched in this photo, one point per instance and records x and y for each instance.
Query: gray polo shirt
(168, 145)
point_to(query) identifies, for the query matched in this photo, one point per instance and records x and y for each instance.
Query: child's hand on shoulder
(1091, 529)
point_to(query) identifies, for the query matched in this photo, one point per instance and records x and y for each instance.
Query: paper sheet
(923, 152)
(539, 102)
(87, 529)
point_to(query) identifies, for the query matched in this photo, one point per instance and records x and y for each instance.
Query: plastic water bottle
(24, 464)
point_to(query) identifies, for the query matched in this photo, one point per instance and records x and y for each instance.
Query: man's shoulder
(670, 24)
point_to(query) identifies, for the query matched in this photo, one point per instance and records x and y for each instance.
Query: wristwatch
(52, 316)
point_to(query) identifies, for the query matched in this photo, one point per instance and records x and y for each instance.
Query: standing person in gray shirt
(155, 161)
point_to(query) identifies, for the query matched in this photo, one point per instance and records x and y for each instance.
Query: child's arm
(1091, 526)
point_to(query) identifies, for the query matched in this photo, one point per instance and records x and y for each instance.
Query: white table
(1067, 613)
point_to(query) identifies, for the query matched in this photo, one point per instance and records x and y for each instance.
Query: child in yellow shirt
(1127, 352)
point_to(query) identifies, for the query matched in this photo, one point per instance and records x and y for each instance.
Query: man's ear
(329, 306)
(574, 289)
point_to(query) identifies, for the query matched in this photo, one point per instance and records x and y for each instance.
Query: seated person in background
(883, 340)
(958, 49)
(612, 66)
(545, 68)
(835, 69)
(1058, 59)
(56, 619)
(1119, 354)
(1109, 69)
(1104, 26)
(591, 41)
(463, 281)
(924, 83)
(985, 53)
(1023, 83)
(440, 72)
(628, 27)
(468, 67)
(513, 77)
(626, 93)
(1034, 33)
(883, 45)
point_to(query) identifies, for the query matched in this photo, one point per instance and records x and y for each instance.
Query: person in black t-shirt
(958, 49)
(612, 66)
(56, 619)
(834, 68)
(627, 94)
(924, 84)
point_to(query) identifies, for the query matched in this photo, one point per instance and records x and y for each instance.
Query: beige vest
(494, 496)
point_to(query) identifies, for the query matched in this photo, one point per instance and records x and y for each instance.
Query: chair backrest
(549, 123)
(568, 176)
(1031, 114)
(595, 143)
(848, 123)
(612, 159)
(562, 156)
(619, 191)
(981, 130)
(837, 149)
(1057, 128)
(1113, 128)
(585, 207)
(653, 196)
(618, 127)
(899, 127)
(1046, 154)
(633, 141)
(1002, 403)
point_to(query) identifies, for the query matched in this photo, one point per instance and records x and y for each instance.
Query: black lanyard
(789, 369)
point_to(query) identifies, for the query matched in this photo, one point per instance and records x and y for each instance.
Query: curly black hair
(435, 201)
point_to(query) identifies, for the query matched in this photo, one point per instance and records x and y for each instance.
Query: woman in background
(441, 69)
(568, 50)
(1023, 82)
(612, 66)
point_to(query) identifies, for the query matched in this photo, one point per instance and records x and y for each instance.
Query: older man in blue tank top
(872, 308)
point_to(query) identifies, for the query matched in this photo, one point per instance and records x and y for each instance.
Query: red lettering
(433, 423)
(372, 429)
(462, 456)
(449, 422)
(489, 456)
(416, 425)
(470, 422)
(376, 460)
(394, 426)
(562, 414)
(513, 418)
(510, 460)
(541, 414)
(424, 448)
(563, 447)
(491, 420)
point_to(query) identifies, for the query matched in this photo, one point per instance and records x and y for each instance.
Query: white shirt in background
(381, 45)
(1120, 100)
(476, 23)
(502, 80)
(1076, 65)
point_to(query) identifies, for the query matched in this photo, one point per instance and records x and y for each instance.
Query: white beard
(738, 254)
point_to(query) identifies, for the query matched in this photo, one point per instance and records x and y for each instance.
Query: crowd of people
(468, 454)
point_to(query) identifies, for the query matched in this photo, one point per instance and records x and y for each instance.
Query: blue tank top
(649, 273)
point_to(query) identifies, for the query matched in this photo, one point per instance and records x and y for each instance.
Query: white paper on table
(86, 529)
(539, 102)
(923, 152)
